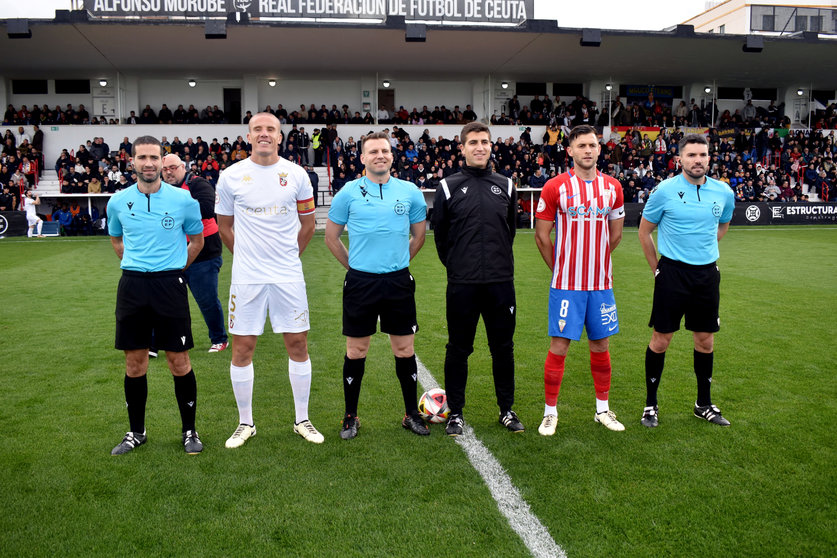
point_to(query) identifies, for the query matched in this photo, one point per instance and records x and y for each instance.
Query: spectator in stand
(70, 182)
(22, 135)
(100, 149)
(383, 116)
(7, 201)
(180, 115)
(65, 219)
(537, 180)
(165, 116)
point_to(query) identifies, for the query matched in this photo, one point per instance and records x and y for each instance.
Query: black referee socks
(186, 392)
(654, 363)
(703, 372)
(352, 376)
(136, 394)
(407, 372)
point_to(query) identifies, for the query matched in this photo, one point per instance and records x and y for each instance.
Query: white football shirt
(265, 202)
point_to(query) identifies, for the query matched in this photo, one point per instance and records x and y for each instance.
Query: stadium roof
(71, 47)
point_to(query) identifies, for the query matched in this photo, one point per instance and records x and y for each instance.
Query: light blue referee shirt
(154, 226)
(378, 219)
(687, 218)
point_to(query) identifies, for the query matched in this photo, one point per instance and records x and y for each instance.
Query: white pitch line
(511, 504)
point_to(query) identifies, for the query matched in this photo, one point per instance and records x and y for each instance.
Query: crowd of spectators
(215, 115)
(759, 165)
(654, 113)
(21, 162)
(544, 111)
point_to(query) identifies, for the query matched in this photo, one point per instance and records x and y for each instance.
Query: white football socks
(242, 384)
(300, 376)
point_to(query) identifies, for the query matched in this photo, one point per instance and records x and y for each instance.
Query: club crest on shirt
(496, 190)
(400, 208)
(283, 179)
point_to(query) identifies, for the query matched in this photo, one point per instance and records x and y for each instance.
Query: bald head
(174, 170)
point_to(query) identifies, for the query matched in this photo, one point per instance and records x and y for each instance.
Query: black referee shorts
(368, 296)
(153, 302)
(683, 289)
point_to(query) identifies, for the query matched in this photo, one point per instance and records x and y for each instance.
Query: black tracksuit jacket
(474, 216)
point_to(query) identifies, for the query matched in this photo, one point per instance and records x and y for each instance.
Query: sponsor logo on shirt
(269, 211)
(585, 211)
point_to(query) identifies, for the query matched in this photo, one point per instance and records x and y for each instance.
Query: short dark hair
(147, 140)
(581, 130)
(691, 138)
(473, 127)
(374, 136)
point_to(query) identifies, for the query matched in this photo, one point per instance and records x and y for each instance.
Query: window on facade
(722, 28)
(815, 23)
(768, 23)
(801, 23)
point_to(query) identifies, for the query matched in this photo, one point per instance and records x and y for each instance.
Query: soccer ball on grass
(433, 406)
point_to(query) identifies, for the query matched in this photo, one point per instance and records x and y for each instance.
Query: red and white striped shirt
(581, 211)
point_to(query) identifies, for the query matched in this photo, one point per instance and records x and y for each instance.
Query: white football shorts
(286, 303)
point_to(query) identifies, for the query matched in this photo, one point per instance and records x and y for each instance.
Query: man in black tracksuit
(474, 222)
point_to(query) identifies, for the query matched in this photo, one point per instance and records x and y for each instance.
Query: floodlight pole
(714, 104)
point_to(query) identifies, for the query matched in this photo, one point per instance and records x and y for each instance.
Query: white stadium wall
(155, 92)
(292, 93)
(411, 94)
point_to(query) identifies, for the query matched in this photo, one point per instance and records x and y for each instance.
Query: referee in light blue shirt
(692, 213)
(149, 224)
(385, 218)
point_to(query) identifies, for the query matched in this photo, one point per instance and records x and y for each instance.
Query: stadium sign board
(763, 213)
(461, 12)
(13, 223)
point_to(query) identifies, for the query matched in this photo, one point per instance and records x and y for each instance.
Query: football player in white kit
(32, 219)
(265, 211)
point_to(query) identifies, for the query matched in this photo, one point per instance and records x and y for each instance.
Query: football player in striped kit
(586, 209)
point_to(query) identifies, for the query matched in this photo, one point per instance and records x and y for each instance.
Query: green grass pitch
(764, 487)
